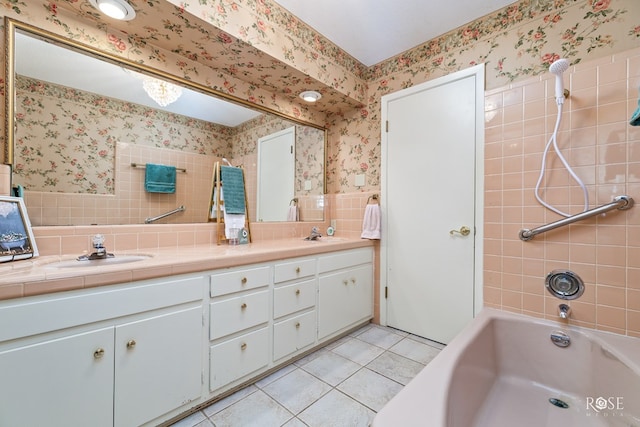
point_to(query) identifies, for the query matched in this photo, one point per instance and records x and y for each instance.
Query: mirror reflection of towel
(159, 178)
(292, 213)
(233, 184)
(371, 222)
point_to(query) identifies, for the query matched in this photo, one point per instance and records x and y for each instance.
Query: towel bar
(138, 165)
(619, 202)
(166, 214)
(373, 197)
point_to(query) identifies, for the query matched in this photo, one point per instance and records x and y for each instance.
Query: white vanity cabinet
(238, 324)
(345, 291)
(122, 355)
(294, 306)
(66, 380)
(158, 365)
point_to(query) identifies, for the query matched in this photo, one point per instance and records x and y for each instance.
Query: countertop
(37, 276)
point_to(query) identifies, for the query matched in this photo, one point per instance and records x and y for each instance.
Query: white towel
(292, 213)
(371, 222)
(231, 221)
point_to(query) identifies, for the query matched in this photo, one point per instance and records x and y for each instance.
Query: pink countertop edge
(34, 277)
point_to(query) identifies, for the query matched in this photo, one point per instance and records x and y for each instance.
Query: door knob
(464, 231)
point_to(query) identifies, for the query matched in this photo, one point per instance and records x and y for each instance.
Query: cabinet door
(158, 365)
(238, 357)
(293, 334)
(345, 298)
(62, 382)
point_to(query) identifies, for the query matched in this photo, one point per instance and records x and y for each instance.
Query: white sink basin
(118, 259)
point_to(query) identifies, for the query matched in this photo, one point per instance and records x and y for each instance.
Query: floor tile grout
(347, 340)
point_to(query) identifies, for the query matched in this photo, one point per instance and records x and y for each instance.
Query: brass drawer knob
(243, 280)
(243, 306)
(297, 291)
(297, 270)
(131, 344)
(98, 353)
(345, 281)
(297, 325)
(243, 346)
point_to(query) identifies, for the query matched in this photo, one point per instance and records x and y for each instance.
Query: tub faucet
(564, 311)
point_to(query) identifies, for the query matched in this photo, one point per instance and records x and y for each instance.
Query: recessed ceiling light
(116, 9)
(310, 95)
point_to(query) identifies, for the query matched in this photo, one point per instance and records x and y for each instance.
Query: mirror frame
(12, 25)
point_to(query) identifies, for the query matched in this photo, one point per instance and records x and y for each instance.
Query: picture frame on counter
(16, 235)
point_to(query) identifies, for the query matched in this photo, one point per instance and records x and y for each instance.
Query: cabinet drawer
(233, 359)
(294, 270)
(293, 334)
(291, 298)
(345, 259)
(235, 314)
(66, 310)
(238, 280)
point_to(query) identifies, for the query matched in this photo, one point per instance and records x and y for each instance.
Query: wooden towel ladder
(215, 205)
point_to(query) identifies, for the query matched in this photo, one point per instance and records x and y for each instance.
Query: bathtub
(504, 370)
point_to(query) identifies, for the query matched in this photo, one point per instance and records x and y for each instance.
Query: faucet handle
(98, 241)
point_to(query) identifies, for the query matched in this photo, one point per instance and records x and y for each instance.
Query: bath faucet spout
(564, 311)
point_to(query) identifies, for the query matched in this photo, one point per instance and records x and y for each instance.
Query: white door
(276, 174)
(432, 187)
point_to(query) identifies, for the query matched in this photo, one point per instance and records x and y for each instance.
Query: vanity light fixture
(310, 95)
(162, 92)
(116, 9)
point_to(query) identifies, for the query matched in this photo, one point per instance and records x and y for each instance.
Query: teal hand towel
(635, 118)
(233, 189)
(159, 178)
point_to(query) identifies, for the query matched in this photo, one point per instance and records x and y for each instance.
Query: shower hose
(553, 141)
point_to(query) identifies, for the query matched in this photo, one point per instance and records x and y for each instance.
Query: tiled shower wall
(604, 150)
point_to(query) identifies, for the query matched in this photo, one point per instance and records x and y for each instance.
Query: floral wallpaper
(309, 149)
(256, 51)
(66, 138)
(515, 43)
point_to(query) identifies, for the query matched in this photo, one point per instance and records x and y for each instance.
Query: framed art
(16, 235)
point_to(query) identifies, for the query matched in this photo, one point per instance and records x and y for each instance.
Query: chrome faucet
(564, 311)
(315, 234)
(101, 251)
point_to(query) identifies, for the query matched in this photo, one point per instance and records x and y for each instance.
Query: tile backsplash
(604, 151)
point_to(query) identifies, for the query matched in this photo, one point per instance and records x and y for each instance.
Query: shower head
(227, 161)
(558, 67)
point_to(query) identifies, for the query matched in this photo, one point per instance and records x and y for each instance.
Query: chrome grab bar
(619, 202)
(155, 218)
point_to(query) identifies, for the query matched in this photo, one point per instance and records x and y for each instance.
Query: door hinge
(386, 292)
(291, 149)
(387, 126)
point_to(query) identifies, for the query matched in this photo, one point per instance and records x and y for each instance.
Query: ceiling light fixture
(163, 93)
(310, 95)
(116, 9)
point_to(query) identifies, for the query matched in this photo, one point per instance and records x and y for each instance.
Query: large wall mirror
(80, 122)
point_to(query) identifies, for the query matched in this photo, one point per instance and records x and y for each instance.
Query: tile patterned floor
(342, 384)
